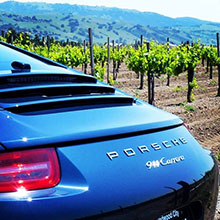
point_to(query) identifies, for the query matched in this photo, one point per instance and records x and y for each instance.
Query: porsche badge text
(129, 152)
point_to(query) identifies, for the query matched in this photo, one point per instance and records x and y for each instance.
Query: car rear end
(72, 148)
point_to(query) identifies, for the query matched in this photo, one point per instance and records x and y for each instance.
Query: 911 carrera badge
(156, 146)
(164, 162)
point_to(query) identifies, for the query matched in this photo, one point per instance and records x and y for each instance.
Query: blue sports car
(72, 147)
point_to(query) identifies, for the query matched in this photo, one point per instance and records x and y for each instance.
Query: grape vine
(147, 60)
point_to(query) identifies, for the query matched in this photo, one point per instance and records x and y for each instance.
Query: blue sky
(202, 9)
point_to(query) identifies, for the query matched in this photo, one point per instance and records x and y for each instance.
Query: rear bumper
(199, 199)
(193, 202)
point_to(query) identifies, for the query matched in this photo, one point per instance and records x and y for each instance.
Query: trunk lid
(42, 109)
(78, 125)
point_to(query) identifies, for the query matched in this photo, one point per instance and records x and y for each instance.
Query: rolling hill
(64, 21)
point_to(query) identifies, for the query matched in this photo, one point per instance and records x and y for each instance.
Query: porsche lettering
(156, 146)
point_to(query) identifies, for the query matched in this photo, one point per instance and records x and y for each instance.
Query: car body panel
(77, 125)
(120, 158)
(122, 182)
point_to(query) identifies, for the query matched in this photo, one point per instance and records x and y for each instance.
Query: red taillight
(29, 170)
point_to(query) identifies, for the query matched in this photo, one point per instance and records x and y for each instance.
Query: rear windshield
(8, 55)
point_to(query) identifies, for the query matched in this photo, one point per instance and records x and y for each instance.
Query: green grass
(136, 92)
(189, 108)
(218, 156)
(179, 89)
(212, 82)
(203, 89)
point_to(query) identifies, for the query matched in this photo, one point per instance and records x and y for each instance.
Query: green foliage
(137, 60)
(76, 56)
(213, 83)
(194, 84)
(155, 61)
(100, 54)
(2, 39)
(182, 104)
(69, 55)
(176, 61)
(111, 80)
(203, 89)
(119, 54)
(179, 89)
(210, 53)
(99, 72)
(159, 60)
(218, 156)
(22, 40)
(189, 108)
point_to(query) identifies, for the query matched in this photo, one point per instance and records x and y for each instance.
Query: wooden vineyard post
(168, 75)
(142, 74)
(141, 41)
(83, 64)
(36, 40)
(152, 89)
(48, 45)
(43, 41)
(84, 51)
(91, 52)
(11, 39)
(150, 82)
(114, 62)
(108, 61)
(190, 77)
(207, 67)
(138, 74)
(203, 58)
(135, 44)
(210, 69)
(142, 81)
(3, 34)
(203, 61)
(218, 65)
(118, 63)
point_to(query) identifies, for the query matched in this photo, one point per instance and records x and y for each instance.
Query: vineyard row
(150, 59)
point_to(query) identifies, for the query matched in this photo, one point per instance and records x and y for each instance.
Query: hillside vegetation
(64, 21)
